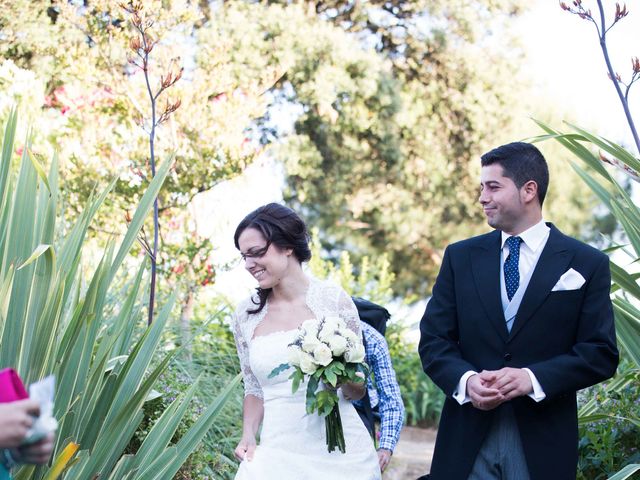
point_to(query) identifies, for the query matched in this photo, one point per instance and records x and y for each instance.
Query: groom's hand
(511, 382)
(483, 395)
(384, 457)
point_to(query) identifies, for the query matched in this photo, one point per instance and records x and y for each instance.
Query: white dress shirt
(533, 241)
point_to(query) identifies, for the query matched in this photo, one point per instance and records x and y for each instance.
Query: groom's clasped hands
(490, 388)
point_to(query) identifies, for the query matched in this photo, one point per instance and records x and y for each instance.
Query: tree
(378, 111)
(385, 161)
(95, 102)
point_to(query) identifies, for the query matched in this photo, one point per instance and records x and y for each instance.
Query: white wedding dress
(292, 444)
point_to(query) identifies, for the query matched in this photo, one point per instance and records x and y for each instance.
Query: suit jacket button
(507, 356)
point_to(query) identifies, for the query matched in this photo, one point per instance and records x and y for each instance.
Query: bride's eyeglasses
(255, 253)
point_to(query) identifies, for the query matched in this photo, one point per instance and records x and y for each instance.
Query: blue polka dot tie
(511, 273)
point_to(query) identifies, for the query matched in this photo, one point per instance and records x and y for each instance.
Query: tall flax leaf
(124, 469)
(19, 244)
(146, 202)
(7, 153)
(6, 284)
(570, 142)
(622, 213)
(165, 427)
(123, 322)
(610, 147)
(117, 432)
(626, 472)
(76, 357)
(42, 288)
(602, 193)
(628, 327)
(625, 280)
(138, 361)
(167, 464)
(122, 326)
(6, 183)
(70, 250)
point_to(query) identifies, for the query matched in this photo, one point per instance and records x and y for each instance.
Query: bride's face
(267, 263)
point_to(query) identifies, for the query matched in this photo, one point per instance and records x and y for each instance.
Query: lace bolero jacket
(324, 298)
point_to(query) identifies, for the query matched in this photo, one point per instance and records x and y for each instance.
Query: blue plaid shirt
(385, 393)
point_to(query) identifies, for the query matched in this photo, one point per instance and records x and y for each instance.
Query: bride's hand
(245, 449)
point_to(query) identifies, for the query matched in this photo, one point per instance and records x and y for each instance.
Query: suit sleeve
(439, 335)
(594, 356)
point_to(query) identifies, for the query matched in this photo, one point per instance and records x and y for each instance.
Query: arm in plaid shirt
(386, 389)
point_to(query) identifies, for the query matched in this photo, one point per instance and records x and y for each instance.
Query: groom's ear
(529, 191)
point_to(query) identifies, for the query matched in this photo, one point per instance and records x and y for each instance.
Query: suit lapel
(485, 267)
(553, 262)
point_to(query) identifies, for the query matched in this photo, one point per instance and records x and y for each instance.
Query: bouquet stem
(333, 428)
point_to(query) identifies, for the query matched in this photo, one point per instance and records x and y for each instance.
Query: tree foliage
(378, 111)
(384, 160)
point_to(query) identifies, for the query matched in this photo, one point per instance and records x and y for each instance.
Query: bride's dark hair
(282, 227)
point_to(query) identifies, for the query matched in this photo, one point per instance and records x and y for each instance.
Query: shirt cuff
(387, 444)
(537, 394)
(460, 393)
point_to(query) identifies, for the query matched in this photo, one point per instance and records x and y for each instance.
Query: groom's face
(500, 199)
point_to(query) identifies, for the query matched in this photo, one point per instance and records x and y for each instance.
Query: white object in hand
(42, 391)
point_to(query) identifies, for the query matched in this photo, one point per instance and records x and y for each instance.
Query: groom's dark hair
(521, 162)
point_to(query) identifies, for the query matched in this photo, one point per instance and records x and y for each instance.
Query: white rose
(310, 342)
(333, 320)
(355, 354)
(327, 332)
(329, 327)
(341, 324)
(351, 336)
(322, 354)
(310, 326)
(307, 365)
(338, 344)
(294, 355)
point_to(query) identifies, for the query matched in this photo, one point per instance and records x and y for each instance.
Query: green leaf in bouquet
(337, 367)
(296, 378)
(330, 376)
(326, 400)
(311, 402)
(279, 369)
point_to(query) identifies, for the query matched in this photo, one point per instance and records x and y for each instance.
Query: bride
(273, 242)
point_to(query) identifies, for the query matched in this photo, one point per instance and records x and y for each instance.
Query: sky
(566, 62)
(566, 65)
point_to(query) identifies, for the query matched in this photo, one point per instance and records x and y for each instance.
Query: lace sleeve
(348, 311)
(251, 385)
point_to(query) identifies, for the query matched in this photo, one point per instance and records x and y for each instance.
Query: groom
(520, 319)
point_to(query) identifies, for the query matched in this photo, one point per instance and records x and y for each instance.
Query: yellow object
(62, 461)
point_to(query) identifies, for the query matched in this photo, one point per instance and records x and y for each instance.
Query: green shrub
(608, 444)
(423, 400)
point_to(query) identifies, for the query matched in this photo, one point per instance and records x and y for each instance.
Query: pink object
(11, 387)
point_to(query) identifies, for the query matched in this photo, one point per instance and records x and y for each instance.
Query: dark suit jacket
(566, 338)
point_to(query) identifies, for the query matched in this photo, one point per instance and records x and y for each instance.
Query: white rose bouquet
(327, 353)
